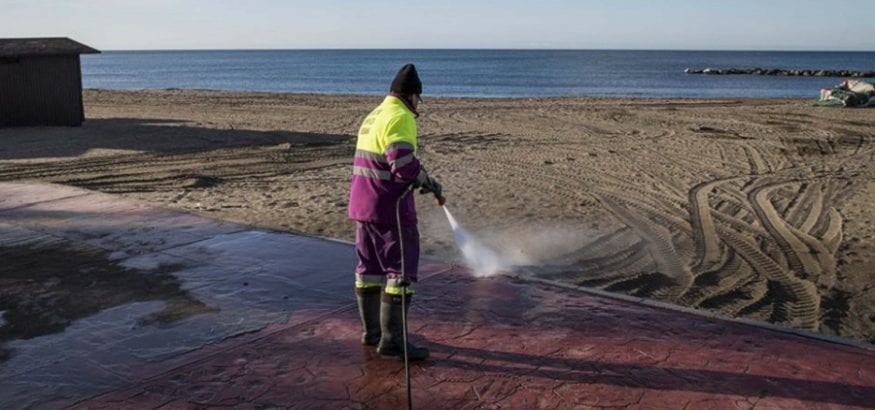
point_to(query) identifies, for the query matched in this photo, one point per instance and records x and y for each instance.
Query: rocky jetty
(782, 72)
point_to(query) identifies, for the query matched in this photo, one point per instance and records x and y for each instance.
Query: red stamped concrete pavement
(499, 343)
(496, 343)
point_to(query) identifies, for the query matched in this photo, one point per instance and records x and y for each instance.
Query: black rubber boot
(392, 339)
(369, 310)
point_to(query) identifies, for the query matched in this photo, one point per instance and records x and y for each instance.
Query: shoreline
(444, 97)
(702, 203)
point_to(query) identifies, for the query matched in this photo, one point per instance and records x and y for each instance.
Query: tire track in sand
(793, 303)
(801, 302)
(658, 237)
(664, 253)
(707, 242)
(797, 252)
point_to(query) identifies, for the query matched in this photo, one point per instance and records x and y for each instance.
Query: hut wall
(40, 91)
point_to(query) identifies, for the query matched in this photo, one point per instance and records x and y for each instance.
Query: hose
(404, 285)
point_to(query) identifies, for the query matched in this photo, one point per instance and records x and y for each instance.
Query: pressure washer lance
(441, 200)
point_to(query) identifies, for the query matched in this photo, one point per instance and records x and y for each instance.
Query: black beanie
(406, 81)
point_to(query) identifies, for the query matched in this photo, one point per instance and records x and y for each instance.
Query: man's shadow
(648, 377)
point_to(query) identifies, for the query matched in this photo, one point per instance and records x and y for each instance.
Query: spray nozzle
(441, 200)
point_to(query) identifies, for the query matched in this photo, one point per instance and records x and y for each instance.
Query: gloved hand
(421, 179)
(431, 185)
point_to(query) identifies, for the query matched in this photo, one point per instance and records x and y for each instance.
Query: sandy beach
(753, 208)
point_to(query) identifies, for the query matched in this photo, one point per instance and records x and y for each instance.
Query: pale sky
(561, 24)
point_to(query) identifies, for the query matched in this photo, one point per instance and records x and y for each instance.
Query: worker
(385, 169)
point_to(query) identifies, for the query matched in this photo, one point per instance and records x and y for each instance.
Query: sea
(472, 73)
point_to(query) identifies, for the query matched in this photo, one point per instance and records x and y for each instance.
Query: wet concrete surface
(188, 312)
(98, 292)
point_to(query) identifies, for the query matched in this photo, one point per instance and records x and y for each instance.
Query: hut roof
(49, 46)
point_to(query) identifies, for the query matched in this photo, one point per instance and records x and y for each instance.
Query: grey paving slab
(272, 251)
(55, 385)
(109, 223)
(17, 194)
(13, 235)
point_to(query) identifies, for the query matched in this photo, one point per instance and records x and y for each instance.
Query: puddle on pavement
(43, 289)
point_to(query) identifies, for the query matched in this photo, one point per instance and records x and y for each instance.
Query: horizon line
(496, 49)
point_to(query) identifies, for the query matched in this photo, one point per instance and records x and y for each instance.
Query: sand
(753, 208)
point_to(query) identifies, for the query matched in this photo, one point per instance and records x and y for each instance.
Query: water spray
(482, 260)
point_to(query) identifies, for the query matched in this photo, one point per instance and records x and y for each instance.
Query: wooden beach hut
(41, 81)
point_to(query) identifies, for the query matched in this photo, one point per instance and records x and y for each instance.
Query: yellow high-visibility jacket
(385, 164)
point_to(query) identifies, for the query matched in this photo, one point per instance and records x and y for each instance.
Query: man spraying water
(385, 170)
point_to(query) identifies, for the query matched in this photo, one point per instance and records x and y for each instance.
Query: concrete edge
(244, 225)
(29, 204)
(696, 312)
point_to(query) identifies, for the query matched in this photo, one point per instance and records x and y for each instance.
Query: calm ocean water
(470, 73)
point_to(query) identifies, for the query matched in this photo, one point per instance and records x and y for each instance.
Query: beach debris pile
(782, 72)
(850, 93)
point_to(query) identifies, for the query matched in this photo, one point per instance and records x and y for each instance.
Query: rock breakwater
(782, 72)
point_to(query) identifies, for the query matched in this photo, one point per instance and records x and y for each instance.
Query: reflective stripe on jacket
(384, 164)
